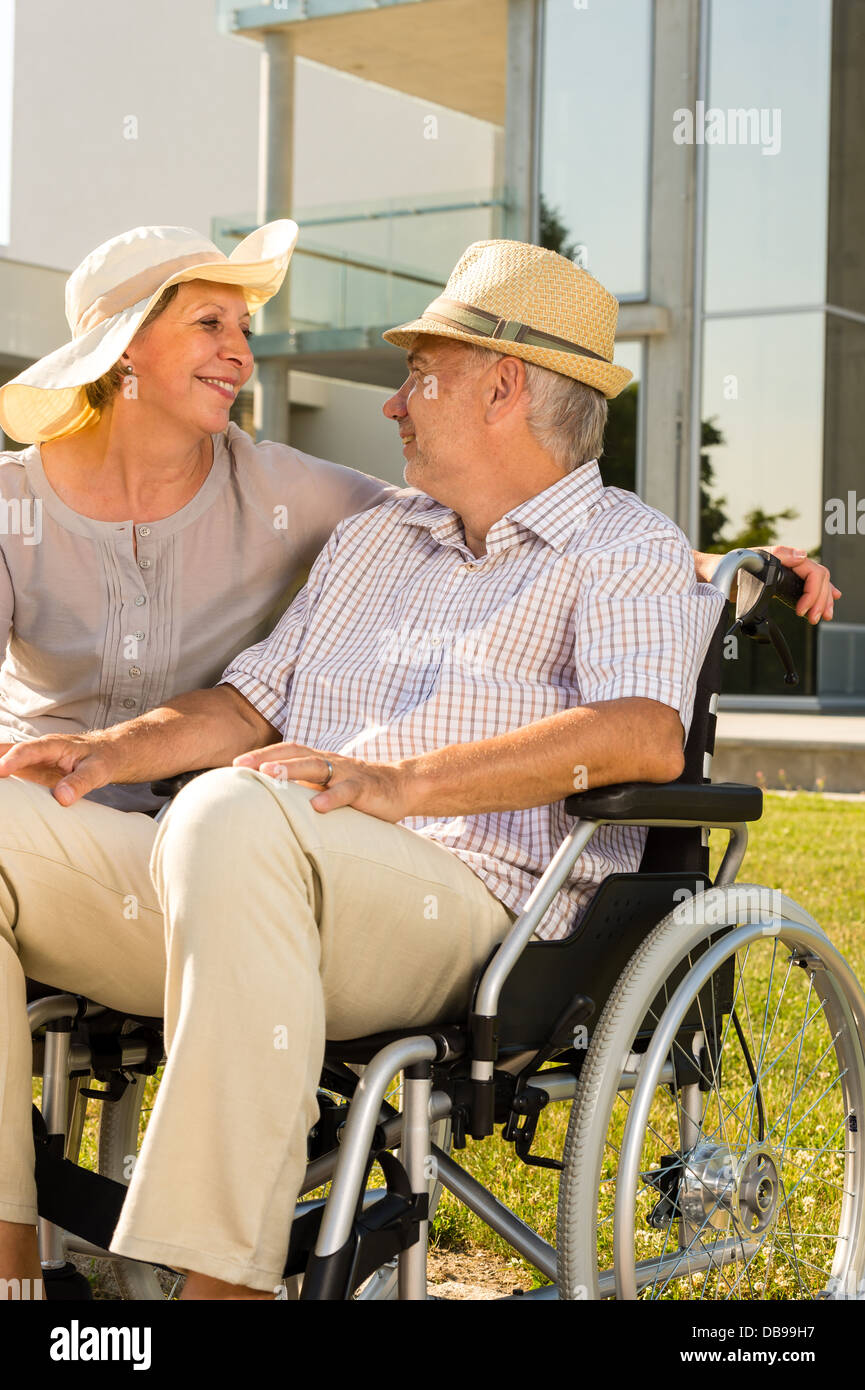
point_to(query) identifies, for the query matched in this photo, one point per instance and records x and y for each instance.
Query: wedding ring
(329, 777)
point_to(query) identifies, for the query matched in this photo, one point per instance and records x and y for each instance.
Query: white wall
(7, 50)
(90, 73)
(82, 67)
(347, 426)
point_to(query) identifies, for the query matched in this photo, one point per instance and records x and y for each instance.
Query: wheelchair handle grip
(780, 582)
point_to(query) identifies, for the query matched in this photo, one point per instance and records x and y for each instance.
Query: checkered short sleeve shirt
(404, 641)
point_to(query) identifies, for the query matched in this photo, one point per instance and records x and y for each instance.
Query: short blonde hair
(100, 392)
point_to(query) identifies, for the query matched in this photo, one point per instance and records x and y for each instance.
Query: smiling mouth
(407, 439)
(225, 388)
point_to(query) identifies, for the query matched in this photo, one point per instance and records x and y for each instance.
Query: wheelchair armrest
(720, 803)
(170, 786)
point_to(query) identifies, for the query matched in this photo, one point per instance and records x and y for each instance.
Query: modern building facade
(705, 159)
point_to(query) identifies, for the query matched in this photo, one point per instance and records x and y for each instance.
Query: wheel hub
(723, 1187)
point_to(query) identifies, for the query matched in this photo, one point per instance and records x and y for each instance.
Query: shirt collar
(552, 514)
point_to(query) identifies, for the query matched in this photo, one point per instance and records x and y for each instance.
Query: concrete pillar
(275, 199)
(841, 644)
(671, 473)
(519, 222)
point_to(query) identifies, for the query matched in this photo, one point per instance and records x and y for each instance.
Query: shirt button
(144, 564)
(144, 530)
(140, 600)
(128, 704)
(139, 636)
(135, 670)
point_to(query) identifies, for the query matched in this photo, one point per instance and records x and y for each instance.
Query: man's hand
(628, 740)
(71, 766)
(379, 789)
(818, 598)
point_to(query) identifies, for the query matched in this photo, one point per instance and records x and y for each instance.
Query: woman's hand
(379, 789)
(71, 765)
(818, 599)
(819, 595)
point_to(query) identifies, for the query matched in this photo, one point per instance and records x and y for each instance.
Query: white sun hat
(110, 294)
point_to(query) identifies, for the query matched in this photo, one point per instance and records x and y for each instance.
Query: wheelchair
(707, 1036)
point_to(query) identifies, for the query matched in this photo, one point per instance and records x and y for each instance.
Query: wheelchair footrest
(78, 1200)
(66, 1285)
(386, 1227)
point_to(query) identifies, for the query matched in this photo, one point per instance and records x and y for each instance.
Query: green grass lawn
(811, 848)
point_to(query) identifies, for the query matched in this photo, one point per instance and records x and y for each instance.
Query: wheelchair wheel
(714, 1149)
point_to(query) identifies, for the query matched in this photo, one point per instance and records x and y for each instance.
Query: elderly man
(462, 656)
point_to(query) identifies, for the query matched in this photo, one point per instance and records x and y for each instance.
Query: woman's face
(192, 360)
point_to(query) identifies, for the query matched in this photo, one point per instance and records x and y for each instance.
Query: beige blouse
(95, 635)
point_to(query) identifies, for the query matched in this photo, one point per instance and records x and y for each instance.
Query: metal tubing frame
(497, 1216)
(524, 927)
(357, 1136)
(734, 854)
(414, 1155)
(55, 1106)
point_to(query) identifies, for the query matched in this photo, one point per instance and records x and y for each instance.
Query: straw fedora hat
(110, 294)
(527, 302)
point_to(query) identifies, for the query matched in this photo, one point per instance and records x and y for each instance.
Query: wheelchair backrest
(671, 848)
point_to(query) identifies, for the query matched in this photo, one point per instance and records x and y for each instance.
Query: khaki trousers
(281, 926)
(78, 910)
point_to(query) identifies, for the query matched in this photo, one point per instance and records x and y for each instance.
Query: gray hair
(566, 417)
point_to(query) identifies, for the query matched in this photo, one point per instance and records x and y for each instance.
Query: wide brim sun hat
(108, 297)
(529, 302)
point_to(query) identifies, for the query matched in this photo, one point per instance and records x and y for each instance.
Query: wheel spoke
(799, 1181)
(801, 1121)
(743, 1154)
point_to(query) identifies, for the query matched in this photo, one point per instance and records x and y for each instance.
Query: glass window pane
(766, 128)
(622, 436)
(761, 469)
(762, 466)
(595, 137)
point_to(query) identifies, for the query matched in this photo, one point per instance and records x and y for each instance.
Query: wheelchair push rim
(735, 1172)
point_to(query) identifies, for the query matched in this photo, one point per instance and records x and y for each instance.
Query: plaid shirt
(403, 641)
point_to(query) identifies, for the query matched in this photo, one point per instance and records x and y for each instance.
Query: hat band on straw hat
(139, 287)
(486, 325)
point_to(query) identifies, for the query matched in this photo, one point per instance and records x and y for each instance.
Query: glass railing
(362, 265)
(288, 11)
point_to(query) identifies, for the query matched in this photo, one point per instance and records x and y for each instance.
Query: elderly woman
(166, 537)
(155, 541)
(167, 541)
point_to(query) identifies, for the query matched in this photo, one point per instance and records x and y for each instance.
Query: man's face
(438, 410)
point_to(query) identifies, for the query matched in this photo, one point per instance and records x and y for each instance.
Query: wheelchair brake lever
(779, 642)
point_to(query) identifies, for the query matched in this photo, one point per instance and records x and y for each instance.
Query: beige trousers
(281, 926)
(78, 910)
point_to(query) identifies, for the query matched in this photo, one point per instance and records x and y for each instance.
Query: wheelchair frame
(353, 1234)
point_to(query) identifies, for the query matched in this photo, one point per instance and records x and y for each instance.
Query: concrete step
(811, 752)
